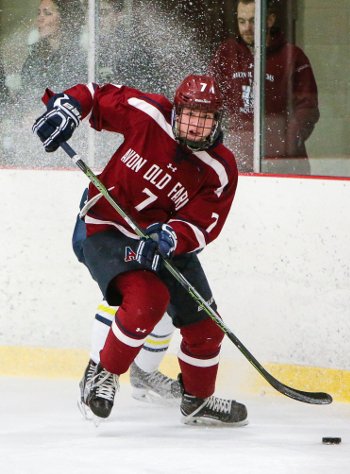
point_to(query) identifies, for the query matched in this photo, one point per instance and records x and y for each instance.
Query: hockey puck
(329, 440)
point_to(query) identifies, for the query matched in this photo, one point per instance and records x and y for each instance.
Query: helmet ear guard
(201, 94)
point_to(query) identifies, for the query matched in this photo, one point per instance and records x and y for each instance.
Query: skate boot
(100, 391)
(212, 411)
(154, 386)
(88, 374)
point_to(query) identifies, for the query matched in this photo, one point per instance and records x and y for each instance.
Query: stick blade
(314, 398)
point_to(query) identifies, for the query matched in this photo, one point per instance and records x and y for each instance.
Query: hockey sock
(103, 320)
(199, 357)
(156, 345)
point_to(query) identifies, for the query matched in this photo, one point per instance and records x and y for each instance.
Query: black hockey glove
(163, 242)
(58, 123)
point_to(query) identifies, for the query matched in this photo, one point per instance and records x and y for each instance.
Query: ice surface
(42, 431)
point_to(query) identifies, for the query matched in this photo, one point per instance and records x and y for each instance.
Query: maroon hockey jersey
(291, 104)
(151, 176)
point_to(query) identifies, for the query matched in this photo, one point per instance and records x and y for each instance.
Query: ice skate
(99, 392)
(212, 411)
(88, 374)
(154, 386)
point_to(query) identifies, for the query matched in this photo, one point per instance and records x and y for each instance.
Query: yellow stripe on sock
(107, 309)
(157, 342)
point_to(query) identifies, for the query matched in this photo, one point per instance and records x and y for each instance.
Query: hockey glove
(58, 123)
(162, 242)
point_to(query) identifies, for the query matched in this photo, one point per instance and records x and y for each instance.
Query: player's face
(195, 125)
(48, 19)
(245, 18)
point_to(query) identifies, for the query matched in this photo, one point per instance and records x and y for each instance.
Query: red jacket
(150, 175)
(291, 104)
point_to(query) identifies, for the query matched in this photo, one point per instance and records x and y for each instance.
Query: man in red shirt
(291, 104)
(175, 178)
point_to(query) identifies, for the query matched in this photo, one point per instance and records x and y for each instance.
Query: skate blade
(97, 420)
(85, 411)
(88, 415)
(147, 396)
(210, 422)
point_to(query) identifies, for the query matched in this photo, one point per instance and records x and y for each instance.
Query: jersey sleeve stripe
(217, 167)
(91, 202)
(91, 88)
(198, 234)
(152, 112)
(91, 220)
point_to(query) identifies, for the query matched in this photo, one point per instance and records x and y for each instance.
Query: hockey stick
(317, 398)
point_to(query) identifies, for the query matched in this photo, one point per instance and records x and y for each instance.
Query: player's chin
(194, 137)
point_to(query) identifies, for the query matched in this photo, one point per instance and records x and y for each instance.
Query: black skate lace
(105, 385)
(219, 404)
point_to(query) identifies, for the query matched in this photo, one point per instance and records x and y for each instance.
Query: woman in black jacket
(57, 58)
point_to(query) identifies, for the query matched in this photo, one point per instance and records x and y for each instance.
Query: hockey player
(148, 383)
(176, 179)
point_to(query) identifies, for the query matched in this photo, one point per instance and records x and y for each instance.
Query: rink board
(66, 363)
(279, 272)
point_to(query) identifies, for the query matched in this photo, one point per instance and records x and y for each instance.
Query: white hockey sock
(154, 349)
(103, 319)
(156, 345)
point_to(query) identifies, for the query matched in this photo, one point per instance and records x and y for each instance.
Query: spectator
(54, 58)
(291, 104)
(57, 57)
